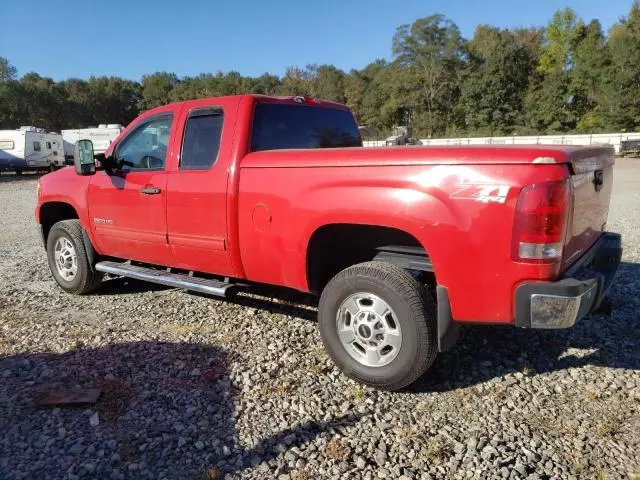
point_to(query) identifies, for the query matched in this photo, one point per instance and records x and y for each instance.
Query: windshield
(278, 126)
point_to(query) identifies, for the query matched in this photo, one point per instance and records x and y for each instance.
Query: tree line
(569, 76)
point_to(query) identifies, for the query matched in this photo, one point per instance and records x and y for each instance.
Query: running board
(202, 285)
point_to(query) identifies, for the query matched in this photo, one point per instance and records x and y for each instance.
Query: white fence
(612, 139)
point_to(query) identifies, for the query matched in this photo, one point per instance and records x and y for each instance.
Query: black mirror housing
(83, 157)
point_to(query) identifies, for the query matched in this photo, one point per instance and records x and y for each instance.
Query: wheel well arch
(334, 247)
(53, 212)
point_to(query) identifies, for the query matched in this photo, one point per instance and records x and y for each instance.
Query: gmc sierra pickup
(402, 244)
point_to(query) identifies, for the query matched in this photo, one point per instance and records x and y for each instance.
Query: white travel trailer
(101, 136)
(30, 148)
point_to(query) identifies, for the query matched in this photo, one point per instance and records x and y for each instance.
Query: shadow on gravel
(487, 352)
(484, 353)
(127, 286)
(12, 177)
(272, 299)
(166, 408)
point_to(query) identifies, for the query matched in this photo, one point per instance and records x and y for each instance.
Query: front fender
(64, 186)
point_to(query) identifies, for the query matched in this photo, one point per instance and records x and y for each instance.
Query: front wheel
(68, 259)
(379, 325)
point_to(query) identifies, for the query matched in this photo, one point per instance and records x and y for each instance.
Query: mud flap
(448, 329)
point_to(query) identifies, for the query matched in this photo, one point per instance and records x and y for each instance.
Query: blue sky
(80, 38)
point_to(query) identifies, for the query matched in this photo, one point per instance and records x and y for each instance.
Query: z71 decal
(482, 193)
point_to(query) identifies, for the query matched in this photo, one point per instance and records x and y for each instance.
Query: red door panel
(197, 187)
(128, 223)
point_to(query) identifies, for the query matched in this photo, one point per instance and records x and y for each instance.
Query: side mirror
(83, 157)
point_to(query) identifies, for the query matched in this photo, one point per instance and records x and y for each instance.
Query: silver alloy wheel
(66, 260)
(369, 329)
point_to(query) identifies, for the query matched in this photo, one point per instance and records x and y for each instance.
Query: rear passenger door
(197, 191)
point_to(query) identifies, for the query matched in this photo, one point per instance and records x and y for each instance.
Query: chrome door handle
(150, 190)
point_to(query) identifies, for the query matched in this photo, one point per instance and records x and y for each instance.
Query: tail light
(540, 223)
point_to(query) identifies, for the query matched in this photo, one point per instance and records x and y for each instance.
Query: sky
(80, 38)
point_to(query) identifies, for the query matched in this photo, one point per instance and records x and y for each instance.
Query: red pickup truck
(401, 244)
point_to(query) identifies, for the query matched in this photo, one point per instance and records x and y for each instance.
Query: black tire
(18, 172)
(414, 309)
(86, 278)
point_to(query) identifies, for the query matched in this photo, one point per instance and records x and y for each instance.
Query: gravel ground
(194, 387)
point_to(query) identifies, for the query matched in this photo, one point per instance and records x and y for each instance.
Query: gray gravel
(199, 388)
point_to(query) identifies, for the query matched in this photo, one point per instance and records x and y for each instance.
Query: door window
(36, 146)
(201, 139)
(145, 148)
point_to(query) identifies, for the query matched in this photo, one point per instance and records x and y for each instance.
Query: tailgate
(592, 178)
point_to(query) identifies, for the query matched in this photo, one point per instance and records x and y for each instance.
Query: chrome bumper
(561, 304)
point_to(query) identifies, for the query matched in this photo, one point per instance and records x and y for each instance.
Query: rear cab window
(279, 126)
(201, 141)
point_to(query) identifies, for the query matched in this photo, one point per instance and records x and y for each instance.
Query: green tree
(377, 110)
(265, 84)
(495, 81)
(561, 37)
(355, 86)
(591, 58)
(620, 101)
(7, 71)
(10, 94)
(156, 89)
(295, 82)
(549, 103)
(326, 82)
(430, 53)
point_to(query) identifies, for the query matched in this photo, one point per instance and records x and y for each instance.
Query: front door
(127, 209)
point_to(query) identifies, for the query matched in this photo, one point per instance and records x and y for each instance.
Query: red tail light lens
(540, 223)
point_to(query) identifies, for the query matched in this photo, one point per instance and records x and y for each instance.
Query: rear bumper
(561, 304)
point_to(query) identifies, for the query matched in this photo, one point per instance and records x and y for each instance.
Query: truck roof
(284, 99)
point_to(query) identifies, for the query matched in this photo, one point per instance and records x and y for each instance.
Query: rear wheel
(379, 325)
(68, 258)
(18, 172)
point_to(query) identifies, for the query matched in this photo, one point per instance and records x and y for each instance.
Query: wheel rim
(66, 260)
(369, 329)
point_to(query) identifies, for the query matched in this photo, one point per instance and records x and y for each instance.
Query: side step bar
(178, 280)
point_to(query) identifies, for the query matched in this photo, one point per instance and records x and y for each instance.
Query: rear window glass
(201, 138)
(278, 127)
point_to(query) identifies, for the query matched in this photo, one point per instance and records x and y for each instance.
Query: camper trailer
(101, 136)
(30, 148)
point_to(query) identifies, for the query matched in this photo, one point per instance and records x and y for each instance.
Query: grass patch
(591, 395)
(433, 452)
(579, 467)
(211, 474)
(281, 388)
(300, 475)
(358, 394)
(335, 450)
